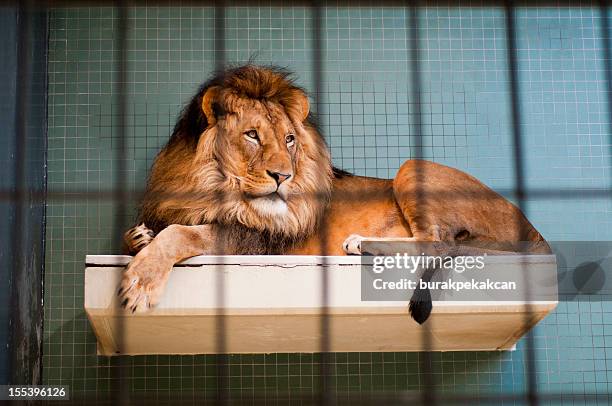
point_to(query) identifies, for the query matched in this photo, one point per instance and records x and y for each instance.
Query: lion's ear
(210, 104)
(299, 103)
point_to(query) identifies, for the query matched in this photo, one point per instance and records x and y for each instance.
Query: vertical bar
(428, 390)
(514, 94)
(415, 79)
(222, 370)
(317, 70)
(120, 194)
(519, 184)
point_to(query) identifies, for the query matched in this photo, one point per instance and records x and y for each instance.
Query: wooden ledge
(273, 304)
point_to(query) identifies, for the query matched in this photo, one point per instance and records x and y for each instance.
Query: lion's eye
(252, 136)
(290, 140)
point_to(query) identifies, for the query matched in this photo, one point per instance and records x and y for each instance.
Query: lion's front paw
(352, 245)
(143, 281)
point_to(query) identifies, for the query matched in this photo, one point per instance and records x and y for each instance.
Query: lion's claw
(137, 238)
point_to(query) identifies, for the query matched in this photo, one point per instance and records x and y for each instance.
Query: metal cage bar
(120, 194)
(318, 49)
(519, 183)
(222, 394)
(428, 390)
(121, 395)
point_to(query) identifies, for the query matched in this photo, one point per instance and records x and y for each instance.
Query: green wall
(367, 118)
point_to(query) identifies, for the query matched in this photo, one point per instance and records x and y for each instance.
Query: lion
(246, 171)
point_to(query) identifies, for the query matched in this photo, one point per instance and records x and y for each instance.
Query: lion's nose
(278, 177)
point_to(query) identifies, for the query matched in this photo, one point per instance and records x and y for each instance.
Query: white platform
(273, 304)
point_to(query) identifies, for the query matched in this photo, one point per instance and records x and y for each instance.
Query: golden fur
(247, 172)
(198, 178)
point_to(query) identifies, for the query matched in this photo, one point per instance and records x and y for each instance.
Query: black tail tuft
(420, 305)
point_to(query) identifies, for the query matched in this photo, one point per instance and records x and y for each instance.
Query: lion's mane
(189, 183)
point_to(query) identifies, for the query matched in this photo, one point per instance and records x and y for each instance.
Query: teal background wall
(368, 117)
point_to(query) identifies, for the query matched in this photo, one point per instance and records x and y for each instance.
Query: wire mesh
(314, 374)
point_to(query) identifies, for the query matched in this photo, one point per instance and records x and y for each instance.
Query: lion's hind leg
(463, 209)
(459, 216)
(136, 238)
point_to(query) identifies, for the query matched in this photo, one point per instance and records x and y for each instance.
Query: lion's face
(258, 162)
(260, 146)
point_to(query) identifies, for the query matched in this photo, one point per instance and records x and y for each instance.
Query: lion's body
(450, 199)
(247, 172)
(359, 205)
